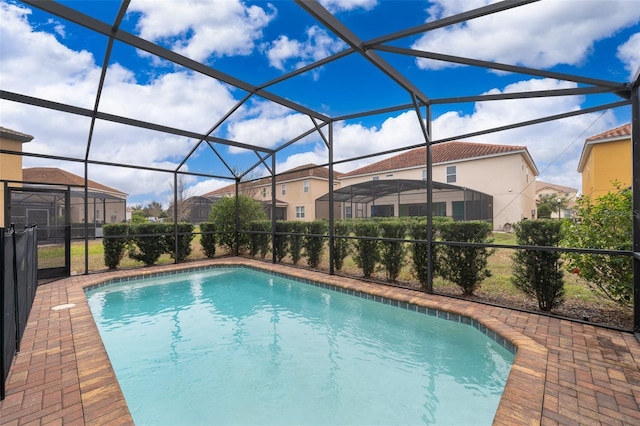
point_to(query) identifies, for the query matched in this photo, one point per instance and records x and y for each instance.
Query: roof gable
(52, 175)
(441, 153)
(617, 134)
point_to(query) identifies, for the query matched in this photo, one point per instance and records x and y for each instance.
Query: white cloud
(541, 34)
(336, 6)
(268, 132)
(555, 146)
(200, 29)
(629, 54)
(318, 45)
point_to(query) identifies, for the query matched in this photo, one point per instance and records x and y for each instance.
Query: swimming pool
(237, 346)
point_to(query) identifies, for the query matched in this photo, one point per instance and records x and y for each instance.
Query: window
(382, 211)
(347, 211)
(376, 178)
(300, 212)
(283, 189)
(451, 174)
(305, 186)
(424, 174)
(97, 214)
(264, 192)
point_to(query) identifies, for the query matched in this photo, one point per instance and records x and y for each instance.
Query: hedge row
(382, 244)
(145, 242)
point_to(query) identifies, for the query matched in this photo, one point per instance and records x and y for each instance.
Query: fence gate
(49, 209)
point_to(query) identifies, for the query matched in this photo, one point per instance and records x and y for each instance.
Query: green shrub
(114, 248)
(260, 237)
(605, 224)
(281, 243)
(208, 239)
(367, 251)
(535, 272)
(147, 242)
(314, 244)
(185, 236)
(465, 266)
(393, 252)
(419, 252)
(296, 241)
(223, 214)
(544, 211)
(341, 246)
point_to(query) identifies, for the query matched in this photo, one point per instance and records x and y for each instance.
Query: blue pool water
(237, 346)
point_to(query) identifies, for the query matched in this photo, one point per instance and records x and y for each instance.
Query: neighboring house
(10, 164)
(605, 158)
(106, 205)
(564, 193)
(296, 191)
(507, 173)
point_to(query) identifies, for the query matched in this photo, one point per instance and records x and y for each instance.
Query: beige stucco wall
(295, 195)
(508, 178)
(10, 169)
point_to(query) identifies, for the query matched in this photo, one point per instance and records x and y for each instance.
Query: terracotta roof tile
(621, 131)
(441, 153)
(57, 176)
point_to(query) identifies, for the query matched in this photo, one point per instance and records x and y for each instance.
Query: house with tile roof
(605, 158)
(565, 193)
(295, 195)
(10, 164)
(507, 173)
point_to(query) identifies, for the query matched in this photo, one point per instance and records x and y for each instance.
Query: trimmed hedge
(392, 252)
(260, 237)
(296, 241)
(539, 273)
(367, 253)
(465, 266)
(208, 239)
(185, 236)
(114, 248)
(341, 246)
(314, 245)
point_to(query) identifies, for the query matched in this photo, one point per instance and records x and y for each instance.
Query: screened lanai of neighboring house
(406, 197)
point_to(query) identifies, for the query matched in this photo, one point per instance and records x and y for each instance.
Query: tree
(538, 273)
(184, 208)
(223, 214)
(544, 211)
(154, 209)
(553, 203)
(604, 224)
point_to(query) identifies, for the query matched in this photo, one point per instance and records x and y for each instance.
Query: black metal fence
(18, 283)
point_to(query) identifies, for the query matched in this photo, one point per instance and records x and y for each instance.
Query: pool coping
(85, 389)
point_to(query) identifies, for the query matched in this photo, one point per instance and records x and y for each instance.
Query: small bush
(367, 251)
(539, 273)
(341, 246)
(281, 243)
(114, 248)
(314, 245)
(260, 237)
(185, 236)
(147, 242)
(208, 239)
(420, 253)
(465, 266)
(296, 241)
(607, 224)
(393, 252)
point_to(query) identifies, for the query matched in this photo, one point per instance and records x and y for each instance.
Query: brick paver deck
(564, 373)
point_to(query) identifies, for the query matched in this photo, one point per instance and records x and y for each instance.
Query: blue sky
(49, 58)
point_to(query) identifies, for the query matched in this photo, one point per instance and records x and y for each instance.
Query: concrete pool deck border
(564, 372)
